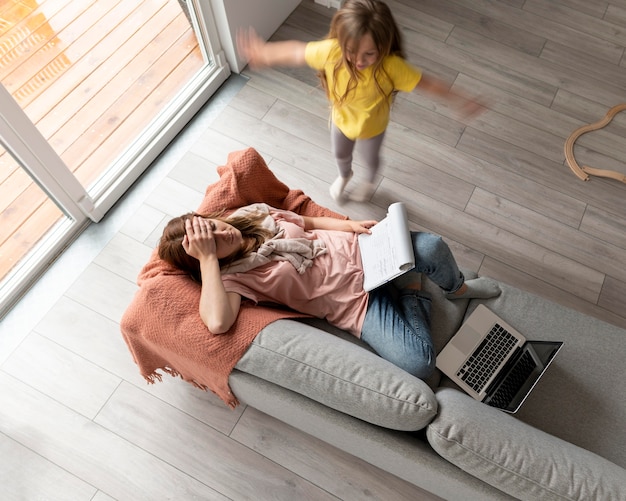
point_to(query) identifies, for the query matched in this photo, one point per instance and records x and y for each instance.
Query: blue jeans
(397, 322)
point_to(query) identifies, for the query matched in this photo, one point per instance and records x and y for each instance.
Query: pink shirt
(332, 288)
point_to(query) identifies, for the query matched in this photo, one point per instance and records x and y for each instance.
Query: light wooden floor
(76, 420)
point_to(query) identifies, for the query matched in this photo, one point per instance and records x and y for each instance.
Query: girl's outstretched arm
(468, 107)
(261, 54)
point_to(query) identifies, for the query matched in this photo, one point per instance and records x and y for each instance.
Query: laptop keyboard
(513, 382)
(481, 365)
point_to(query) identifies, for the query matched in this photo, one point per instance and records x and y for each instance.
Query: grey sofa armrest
(581, 399)
(518, 459)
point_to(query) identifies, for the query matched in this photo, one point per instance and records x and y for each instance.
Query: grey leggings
(343, 147)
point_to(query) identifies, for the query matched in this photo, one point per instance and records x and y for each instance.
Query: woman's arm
(261, 54)
(331, 223)
(218, 308)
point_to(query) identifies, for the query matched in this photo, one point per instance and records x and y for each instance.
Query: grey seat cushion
(518, 459)
(338, 370)
(340, 374)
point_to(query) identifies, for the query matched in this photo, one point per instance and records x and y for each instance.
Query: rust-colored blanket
(162, 326)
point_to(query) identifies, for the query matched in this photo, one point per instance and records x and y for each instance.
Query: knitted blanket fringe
(162, 326)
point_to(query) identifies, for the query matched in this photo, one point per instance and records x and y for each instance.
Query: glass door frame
(172, 118)
(23, 141)
(21, 138)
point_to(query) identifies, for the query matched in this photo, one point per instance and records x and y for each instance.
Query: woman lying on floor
(313, 265)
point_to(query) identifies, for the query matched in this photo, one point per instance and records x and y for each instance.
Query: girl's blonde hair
(171, 243)
(353, 20)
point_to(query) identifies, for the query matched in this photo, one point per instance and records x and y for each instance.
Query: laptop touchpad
(466, 340)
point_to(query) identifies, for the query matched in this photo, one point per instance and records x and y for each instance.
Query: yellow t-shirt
(365, 112)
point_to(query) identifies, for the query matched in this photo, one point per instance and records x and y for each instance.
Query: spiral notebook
(387, 252)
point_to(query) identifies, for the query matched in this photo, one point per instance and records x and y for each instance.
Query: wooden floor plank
(341, 474)
(508, 183)
(30, 34)
(605, 226)
(17, 482)
(33, 75)
(88, 450)
(223, 464)
(533, 227)
(97, 111)
(554, 30)
(535, 285)
(500, 73)
(130, 114)
(463, 16)
(556, 75)
(556, 175)
(612, 296)
(491, 240)
(589, 67)
(567, 16)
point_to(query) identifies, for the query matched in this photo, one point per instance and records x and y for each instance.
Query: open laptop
(493, 362)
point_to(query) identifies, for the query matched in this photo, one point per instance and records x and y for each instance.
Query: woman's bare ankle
(461, 290)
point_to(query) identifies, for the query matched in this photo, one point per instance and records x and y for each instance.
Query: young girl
(361, 65)
(312, 265)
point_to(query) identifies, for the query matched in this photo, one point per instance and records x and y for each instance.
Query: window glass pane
(27, 215)
(93, 75)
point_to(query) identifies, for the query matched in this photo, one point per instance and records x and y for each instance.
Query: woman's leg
(434, 258)
(397, 327)
(342, 149)
(397, 322)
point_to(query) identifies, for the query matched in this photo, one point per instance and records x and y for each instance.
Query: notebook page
(387, 252)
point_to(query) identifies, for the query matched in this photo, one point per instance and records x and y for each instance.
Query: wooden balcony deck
(91, 75)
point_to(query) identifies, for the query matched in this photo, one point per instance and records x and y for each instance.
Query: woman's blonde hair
(171, 242)
(353, 20)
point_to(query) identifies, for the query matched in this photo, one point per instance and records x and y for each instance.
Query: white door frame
(82, 205)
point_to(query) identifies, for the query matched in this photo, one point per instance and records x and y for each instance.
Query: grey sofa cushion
(340, 374)
(518, 459)
(338, 370)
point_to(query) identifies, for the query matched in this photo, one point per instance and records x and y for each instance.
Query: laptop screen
(521, 374)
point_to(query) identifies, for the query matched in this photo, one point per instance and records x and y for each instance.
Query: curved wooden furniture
(584, 171)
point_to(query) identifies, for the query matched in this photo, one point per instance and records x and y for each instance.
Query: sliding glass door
(91, 93)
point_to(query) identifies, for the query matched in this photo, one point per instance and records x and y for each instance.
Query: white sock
(339, 184)
(363, 192)
(478, 288)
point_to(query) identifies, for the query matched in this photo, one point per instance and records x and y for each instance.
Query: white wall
(264, 15)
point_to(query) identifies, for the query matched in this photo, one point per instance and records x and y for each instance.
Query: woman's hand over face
(199, 241)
